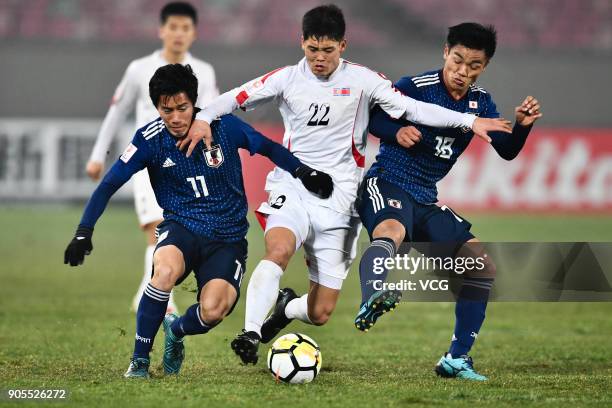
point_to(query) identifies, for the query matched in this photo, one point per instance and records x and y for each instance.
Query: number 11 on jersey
(194, 185)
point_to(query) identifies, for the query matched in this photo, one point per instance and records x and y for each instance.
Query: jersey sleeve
(246, 137)
(246, 97)
(122, 104)
(384, 126)
(407, 87)
(490, 110)
(508, 146)
(397, 105)
(134, 158)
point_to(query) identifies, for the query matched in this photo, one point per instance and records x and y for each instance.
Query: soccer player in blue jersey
(398, 200)
(205, 209)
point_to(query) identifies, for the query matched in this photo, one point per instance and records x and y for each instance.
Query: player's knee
(320, 315)
(391, 229)
(164, 276)
(280, 254)
(490, 268)
(212, 311)
(488, 271)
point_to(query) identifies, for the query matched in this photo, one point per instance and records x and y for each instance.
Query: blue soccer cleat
(380, 302)
(462, 367)
(139, 368)
(174, 349)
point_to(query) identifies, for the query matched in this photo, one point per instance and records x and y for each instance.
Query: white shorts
(147, 209)
(329, 237)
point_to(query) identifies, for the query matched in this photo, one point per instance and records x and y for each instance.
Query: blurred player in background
(204, 228)
(177, 32)
(325, 103)
(398, 201)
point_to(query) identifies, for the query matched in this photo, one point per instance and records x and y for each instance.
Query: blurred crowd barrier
(559, 169)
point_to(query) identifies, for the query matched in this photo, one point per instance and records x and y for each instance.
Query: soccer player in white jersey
(325, 103)
(177, 32)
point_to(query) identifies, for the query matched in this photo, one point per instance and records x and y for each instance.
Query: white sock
(298, 309)
(261, 294)
(146, 277)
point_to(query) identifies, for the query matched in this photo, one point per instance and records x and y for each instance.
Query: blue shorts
(380, 200)
(206, 258)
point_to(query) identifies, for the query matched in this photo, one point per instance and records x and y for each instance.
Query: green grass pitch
(70, 328)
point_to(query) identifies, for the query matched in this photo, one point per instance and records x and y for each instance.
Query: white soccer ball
(294, 358)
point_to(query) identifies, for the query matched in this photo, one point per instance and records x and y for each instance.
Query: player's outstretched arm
(398, 105)
(315, 181)
(508, 146)
(246, 97)
(131, 161)
(200, 128)
(81, 243)
(391, 130)
(433, 115)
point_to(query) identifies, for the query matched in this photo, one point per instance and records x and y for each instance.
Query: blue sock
(151, 311)
(380, 248)
(190, 323)
(469, 314)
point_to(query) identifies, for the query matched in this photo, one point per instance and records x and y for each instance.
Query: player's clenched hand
(482, 127)
(94, 170)
(408, 136)
(528, 112)
(315, 181)
(79, 247)
(200, 130)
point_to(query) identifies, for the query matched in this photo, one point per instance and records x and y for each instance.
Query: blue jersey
(204, 192)
(418, 168)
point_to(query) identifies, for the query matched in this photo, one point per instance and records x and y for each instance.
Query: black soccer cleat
(277, 320)
(245, 345)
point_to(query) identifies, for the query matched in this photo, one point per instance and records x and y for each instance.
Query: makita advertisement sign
(567, 170)
(558, 169)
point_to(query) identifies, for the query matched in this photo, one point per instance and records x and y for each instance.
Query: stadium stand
(225, 22)
(523, 23)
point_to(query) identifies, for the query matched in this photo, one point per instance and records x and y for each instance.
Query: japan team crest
(214, 156)
(395, 203)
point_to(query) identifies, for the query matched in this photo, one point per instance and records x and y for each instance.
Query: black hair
(178, 8)
(172, 79)
(474, 36)
(324, 21)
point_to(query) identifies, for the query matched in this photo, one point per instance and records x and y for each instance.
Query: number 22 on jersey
(319, 114)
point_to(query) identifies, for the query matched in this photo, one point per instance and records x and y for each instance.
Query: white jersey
(326, 120)
(133, 92)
